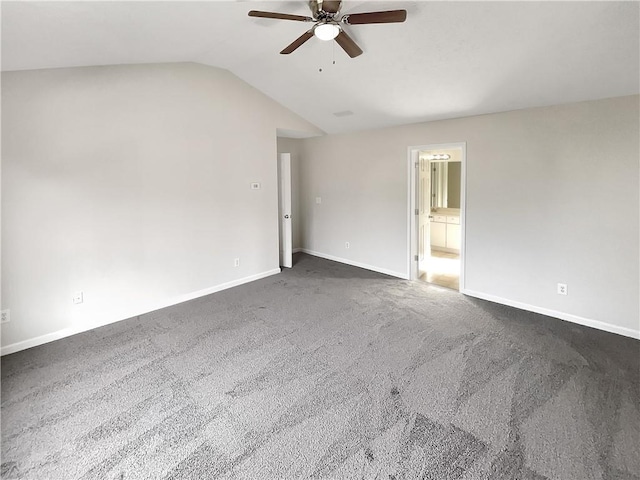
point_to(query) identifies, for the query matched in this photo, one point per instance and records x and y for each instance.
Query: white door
(286, 241)
(424, 210)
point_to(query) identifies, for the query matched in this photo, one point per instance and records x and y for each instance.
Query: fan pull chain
(333, 56)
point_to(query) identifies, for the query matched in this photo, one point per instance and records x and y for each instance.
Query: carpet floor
(326, 371)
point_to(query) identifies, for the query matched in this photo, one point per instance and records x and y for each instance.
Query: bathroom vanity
(445, 230)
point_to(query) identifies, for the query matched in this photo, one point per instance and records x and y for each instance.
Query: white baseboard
(34, 342)
(355, 264)
(67, 332)
(297, 250)
(587, 322)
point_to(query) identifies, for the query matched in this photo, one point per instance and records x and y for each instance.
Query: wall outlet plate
(236, 262)
(5, 317)
(255, 186)
(562, 289)
(78, 297)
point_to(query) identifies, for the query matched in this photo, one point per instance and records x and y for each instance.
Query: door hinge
(415, 257)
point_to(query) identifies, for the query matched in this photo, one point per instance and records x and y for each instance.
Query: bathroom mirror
(445, 184)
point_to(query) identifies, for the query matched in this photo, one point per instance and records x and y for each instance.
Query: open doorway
(285, 234)
(436, 209)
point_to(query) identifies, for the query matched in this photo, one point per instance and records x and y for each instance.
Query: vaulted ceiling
(449, 59)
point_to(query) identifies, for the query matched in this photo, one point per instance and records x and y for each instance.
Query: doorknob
(286, 216)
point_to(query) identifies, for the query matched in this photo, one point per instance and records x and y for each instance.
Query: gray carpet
(326, 371)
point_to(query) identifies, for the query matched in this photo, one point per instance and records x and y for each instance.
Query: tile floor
(443, 269)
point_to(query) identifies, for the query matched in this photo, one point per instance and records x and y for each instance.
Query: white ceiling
(449, 59)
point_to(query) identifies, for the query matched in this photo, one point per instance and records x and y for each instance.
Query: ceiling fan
(329, 25)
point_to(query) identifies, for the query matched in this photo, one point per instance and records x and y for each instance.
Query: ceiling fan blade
(348, 45)
(279, 16)
(297, 42)
(391, 16)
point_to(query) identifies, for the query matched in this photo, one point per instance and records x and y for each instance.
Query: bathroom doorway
(437, 201)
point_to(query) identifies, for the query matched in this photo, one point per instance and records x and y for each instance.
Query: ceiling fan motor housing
(322, 10)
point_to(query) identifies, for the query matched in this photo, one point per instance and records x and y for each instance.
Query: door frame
(413, 152)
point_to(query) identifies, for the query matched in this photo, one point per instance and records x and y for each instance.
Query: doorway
(437, 176)
(285, 231)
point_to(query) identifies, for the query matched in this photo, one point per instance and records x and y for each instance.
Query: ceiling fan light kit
(326, 31)
(326, 15)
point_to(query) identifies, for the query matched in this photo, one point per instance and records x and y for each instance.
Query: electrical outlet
(255, 186)
(77, 298)
(236, 262)
(318, 200)
(347, 245)
(562, 289)
(5, 316)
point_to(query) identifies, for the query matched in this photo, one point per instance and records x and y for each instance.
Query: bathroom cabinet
(445, 232)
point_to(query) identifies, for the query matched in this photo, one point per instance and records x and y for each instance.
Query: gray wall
(552, 196)
(132, 184)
